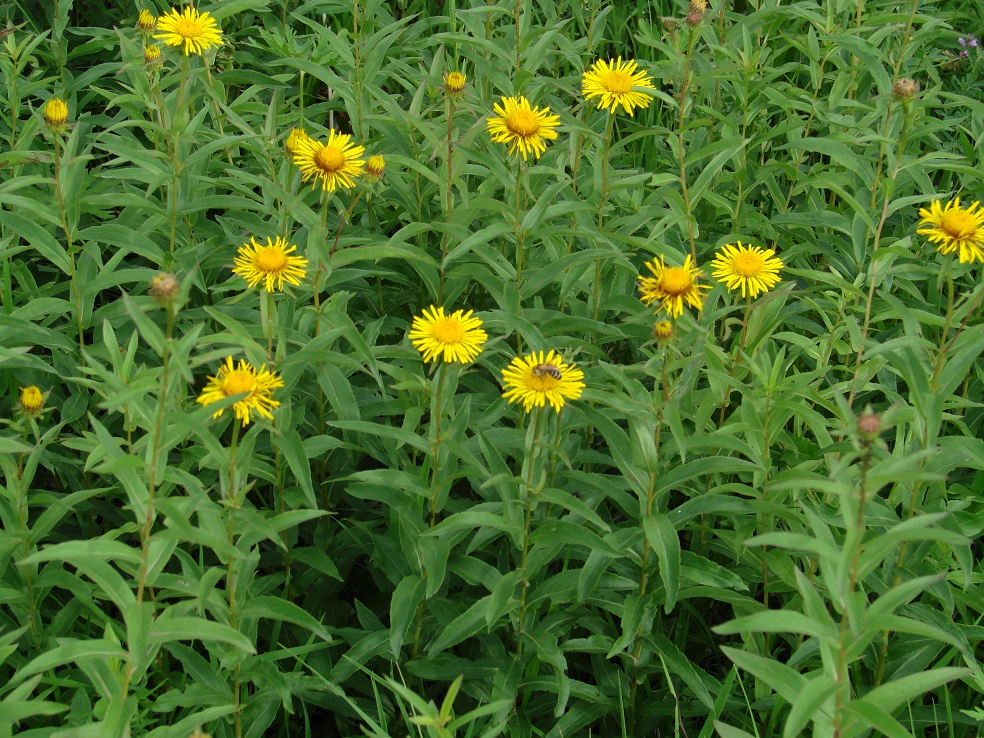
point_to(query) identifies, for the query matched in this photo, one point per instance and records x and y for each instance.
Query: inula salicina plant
(442, 368)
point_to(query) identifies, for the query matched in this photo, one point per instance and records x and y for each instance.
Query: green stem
(527, 518)
(520, 248)
(596, 297)
(437, 414)
(232, 503)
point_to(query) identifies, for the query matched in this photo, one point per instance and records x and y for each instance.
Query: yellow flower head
(954, 228)
(271, 264)
(673, 286)
(334, 164)
(146, 22)
(374, 167)
(295, 139)
(152, 56)
(196, 32)
(455, 337)
(31, 402)
(751, 268)
(617, 83)
(663, 331)
(56, 114)
(454, 84)
(232, 380)
(523, 127)
(536, 379)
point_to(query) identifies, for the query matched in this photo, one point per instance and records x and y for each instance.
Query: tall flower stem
(602, 201)
(519, 37)
(437, 414)
(176, 154)
(520, 247)
(681, 147)
(529, 494)
(268, 321)
(448, 192)
(232, 504)
(69, 241)
(342, 222)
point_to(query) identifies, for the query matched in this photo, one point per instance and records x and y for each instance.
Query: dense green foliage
(707, 542)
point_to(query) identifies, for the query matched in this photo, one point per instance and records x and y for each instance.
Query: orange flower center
(270, 259)
(187, 28)
(617, 82)
(447, 331)
(237, 382)
(958, 224)
(330, 159)
(523, 123)
(676, 281)
(748, 264)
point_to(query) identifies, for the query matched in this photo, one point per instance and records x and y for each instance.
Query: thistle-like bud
(164, 288)
(146, 22)
(905, 89)
(56, 115)
(869, 427)
(374, 168)
(454, 84)
(31, 402)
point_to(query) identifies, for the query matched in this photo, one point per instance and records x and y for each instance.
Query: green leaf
(662, 536)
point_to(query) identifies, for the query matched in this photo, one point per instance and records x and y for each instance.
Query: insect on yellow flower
(617, 83)
(195, 31)
(231, 380)
(334, 164)
(538, 379)
(271, 264)
(457, 336)
(526, 129)
(673, 286)
(750, 268)
(954, 228)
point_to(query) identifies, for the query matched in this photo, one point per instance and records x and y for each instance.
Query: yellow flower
(31, 402)
(673, 286)
(270, 264)
(524, 127)
(663, 331)
(752, 268)
(454, 84)
(295, 139)
(455, 337)
(954, 228)
(374, 167)
(196, 32)
(232, 380)
(152, 55)
(146, 22)
(613, 83)
(536, 379)
(334, 163)
(56, 114)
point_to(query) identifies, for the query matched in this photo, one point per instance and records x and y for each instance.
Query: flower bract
(195, 31)
(672, 287)
(334, 164)
(233, 380)
(457, 336)
(538, 379)
(270, 263)
(749, 268)
(526, 129)
(617, 83)
(954, 228)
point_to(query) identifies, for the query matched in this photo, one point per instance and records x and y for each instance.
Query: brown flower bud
(905, 89)
(164, 288)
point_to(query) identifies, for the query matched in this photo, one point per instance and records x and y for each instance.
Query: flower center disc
(676, 281)
(329, 159)
(187, 28)
(618, 82)
(748, 264)
(958, 224)
(236, 383)
(270, 259)
(523, 123)
(447, 331)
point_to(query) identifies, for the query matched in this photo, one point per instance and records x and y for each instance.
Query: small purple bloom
(973, 43)
(962, 41)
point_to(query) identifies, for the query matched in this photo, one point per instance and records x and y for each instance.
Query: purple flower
(973, 43)
(962, 41)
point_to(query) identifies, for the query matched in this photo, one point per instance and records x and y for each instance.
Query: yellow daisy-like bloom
(673, 286)
(537, 379)
(196, 32)
(455, 337)
(232, 380)
(56, 114)
(146, 22)
(295, 139)
(31, 401)
(334, 164)
(617, 83)
(271, 264)
(954, 228)
(374, 167)
(524, 127)
(752, 268)
(454, 84)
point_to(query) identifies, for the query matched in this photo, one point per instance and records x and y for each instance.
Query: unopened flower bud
(694, 17)
(869, 427)
(31, 402)
(454, 84)
(56, 115)
(905, 89)
(374, 168)
(295, 140)
(164, 288)
(146, 22)
(663, 331)
(152, 56)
